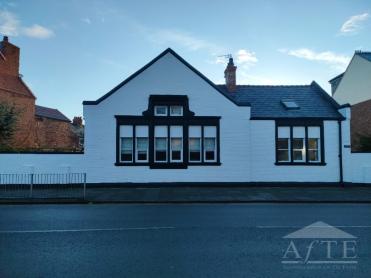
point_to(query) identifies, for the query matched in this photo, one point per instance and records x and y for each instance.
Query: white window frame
(137, 149)
(176, 115)
(210, 132)
(132, 155)
(318, 138)
(210, 160)
(181, 150)
(189, 150)
(295, 130)
(161, 106)
(288, 145)
(166, 152)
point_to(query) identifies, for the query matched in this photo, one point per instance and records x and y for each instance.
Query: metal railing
(43, 185)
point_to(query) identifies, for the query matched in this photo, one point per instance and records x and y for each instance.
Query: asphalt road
(195, 240)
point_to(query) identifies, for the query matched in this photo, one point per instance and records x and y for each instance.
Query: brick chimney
(77, 121)
(9, 57)
(230, 76)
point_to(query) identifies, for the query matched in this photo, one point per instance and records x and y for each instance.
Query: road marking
(85, 230)
(296, 227)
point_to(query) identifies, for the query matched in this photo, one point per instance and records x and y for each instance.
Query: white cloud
(86, 20)
(246, 58)
(336, 60)
(37, 31)
(353, 24)
(184, 39)
(11, 26)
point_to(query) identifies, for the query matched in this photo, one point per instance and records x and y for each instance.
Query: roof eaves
(327, 97)
(336, 77)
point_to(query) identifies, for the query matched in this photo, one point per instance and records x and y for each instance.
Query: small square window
(161, 110)
(176, 111)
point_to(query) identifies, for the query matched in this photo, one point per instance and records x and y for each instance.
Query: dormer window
(160, 110)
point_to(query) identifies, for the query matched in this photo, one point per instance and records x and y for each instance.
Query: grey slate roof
(50, 113)
(265, 101)
(335, 82)
(365, 55)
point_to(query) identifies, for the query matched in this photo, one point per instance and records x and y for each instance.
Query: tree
(8, 122)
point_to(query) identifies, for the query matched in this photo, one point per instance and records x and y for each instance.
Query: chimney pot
(5, 39)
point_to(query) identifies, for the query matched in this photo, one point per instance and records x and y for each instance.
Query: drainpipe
(340, 154)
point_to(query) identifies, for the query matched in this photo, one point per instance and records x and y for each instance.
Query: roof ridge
(250, 85)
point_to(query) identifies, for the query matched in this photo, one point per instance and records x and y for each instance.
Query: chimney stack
(9, 57)
(230, 75)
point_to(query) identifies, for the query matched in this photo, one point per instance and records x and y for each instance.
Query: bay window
(167, 135)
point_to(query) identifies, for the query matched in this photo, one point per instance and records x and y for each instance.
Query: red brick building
(38, 128)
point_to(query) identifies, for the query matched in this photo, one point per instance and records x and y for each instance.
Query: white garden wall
(42, 163)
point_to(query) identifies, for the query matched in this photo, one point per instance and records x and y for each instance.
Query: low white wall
(42, 163)
(359, 168)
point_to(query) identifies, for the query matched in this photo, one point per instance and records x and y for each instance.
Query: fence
(66, 185)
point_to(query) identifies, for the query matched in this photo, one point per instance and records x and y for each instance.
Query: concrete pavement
(193, 240)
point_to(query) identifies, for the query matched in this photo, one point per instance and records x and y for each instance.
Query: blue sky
(78, 50)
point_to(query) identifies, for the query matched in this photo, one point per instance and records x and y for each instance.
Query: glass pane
(313, 143)
(194, 156)
(160, 156)
(176, 144)
(209, 155)
(160, 144)
(283, 143)
(297, 143)
(142, 144)
(126, 157)
(126, 144)
(176, 155)
(297, 155)
(283, 156)
(313, 155)
(161, 110)
(142, 155)
(194, 144)
(176, 110)
(209, 144)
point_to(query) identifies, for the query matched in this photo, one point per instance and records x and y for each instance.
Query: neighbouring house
(15, 92)
(354, 87)
(38, 127)
(169, 123)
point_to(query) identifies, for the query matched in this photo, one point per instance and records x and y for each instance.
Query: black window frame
(291, 123)
(149, 119)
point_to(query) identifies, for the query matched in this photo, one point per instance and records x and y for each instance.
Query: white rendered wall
(167, 76)
(263, 158)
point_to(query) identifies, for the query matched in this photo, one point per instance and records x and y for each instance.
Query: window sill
(180, 165)
(300, 164)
